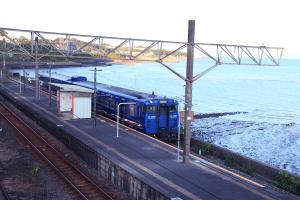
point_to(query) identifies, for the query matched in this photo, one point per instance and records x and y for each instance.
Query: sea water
(268, 97)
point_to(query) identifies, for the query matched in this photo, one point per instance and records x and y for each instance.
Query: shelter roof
(72, 88)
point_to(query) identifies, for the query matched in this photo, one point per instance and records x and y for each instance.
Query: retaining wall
(240, 162)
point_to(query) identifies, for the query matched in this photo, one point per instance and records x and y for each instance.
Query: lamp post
(178, 135)
(3, 70)
(95, 94)
(49, 85)
(118, 113)
(37, 84)
(20, 79)
(24, 77)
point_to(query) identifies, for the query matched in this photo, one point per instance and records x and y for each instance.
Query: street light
(49, 85)
(95, 93)
(118, 112)
(20, 79)
(24, 76)
(3, 69)
(178, 134)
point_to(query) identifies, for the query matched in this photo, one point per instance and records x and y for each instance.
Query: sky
(248, 22)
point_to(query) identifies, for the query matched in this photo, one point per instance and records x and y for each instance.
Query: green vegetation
(229, 162)
(247, 168)
(205, 148)
(288, 183)
(36, 169)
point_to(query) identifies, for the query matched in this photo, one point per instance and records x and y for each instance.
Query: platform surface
(150, 160)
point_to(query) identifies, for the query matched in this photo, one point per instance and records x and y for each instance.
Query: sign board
(182, 114)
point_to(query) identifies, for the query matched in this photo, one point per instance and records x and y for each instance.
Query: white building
(74, 99)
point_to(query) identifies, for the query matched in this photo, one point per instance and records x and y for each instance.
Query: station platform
(150, 160)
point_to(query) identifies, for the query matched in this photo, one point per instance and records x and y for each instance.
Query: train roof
(123, 92)
(132, 93)
(56, 75)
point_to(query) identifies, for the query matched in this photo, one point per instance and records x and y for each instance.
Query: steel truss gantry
(40, 46)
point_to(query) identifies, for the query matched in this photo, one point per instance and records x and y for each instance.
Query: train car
(152, 114)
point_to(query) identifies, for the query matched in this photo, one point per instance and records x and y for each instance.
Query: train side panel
(154, 116)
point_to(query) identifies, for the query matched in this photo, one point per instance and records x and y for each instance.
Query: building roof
(72, 88)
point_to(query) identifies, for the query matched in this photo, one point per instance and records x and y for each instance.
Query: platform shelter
(74, 99)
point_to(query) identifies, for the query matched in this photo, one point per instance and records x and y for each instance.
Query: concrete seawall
(248, 165)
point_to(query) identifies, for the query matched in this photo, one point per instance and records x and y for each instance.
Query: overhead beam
(117, 47)
(195, 78)
(172, 52)
(15, 43)
(169, 68)
(85, 45)
(50, 44)
(146, 49)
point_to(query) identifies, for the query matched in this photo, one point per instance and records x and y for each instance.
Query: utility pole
(4, 61)
(188, 92)
(49, 86)
(24, 77)
(20, 79)
(37, 84)
(95, 94)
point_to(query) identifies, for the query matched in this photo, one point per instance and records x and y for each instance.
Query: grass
(36, 169)
(288, 183)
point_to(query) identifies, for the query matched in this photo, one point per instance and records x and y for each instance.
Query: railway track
(79, 184)
(4, 193)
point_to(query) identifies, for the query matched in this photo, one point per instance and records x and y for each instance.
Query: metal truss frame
(218, 53)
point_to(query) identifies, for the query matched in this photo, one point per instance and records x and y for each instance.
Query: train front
(161, 117)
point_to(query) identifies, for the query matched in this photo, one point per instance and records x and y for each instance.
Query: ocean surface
(268, 128)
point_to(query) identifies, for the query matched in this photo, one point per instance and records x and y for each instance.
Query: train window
(107, 102)
(173, 108)
(151, 109)
(163, 109)
(112, 104)
(101, 99)
(132, 110)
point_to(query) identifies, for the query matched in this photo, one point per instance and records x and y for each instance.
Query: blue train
(154, 115)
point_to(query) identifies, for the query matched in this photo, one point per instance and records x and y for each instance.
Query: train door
(122, 109)
(173, 118)
(163, 118)
(150, 119)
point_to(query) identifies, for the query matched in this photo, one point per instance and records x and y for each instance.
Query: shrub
(36, 169)
(247, 168)
(205, 148)
(229, 162)
(287, 182)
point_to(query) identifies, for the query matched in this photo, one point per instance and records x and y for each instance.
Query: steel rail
(4, 193)
(45, 158)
